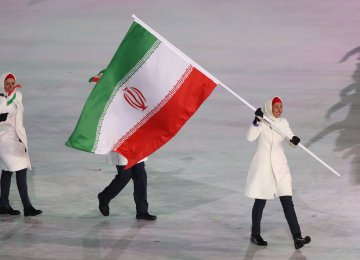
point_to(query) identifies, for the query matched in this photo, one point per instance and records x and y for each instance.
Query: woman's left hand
(3, 117)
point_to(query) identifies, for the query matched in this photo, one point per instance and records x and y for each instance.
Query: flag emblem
(135, 98)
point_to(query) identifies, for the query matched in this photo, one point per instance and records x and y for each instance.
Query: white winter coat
(12, 150)
(269, 174)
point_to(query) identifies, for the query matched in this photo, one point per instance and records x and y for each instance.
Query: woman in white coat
(269, 175)
(13, 146)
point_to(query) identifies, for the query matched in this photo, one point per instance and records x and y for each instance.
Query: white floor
(300, 50)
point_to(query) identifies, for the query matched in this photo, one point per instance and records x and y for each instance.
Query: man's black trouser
(138, 174)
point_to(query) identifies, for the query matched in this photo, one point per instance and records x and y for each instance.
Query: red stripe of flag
(163, 125)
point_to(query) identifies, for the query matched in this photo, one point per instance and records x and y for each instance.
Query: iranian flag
(143, 98)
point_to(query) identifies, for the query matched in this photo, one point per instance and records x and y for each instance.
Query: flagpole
(218, 82)
(273, 125)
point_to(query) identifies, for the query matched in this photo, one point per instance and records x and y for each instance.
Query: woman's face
(277, 109)
(9, 85)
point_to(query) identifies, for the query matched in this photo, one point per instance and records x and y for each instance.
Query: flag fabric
(143, 98)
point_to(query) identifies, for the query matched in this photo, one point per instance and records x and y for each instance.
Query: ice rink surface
(304, 51)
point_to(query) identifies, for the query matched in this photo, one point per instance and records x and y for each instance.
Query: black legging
(290, 215)
(289, 211)
(257, 211)
(21, 184)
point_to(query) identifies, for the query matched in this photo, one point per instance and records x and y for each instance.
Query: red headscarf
(9, 76)
(276, 100)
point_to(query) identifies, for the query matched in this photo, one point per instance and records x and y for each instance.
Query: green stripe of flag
(133, 48)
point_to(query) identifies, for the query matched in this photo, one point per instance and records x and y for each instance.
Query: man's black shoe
(103, 207)
(299, 241)
(31, 211)
(256, 239)
(145, 216)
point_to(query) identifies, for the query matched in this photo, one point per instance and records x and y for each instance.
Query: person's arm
(253, 133)
(295, 140)
(254, 130)
(258, 117)
(3, 114)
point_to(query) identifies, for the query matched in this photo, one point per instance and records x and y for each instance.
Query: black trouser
(21, 184)
(289, 211)
(138, 174)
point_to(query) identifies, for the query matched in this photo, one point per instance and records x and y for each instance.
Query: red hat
(10, 76)
(276, 100)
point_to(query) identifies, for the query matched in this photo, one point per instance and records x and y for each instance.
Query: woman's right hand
(259, 113)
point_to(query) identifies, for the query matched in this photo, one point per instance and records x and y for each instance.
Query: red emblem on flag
(135, 98)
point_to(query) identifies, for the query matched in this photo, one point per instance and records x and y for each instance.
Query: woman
(13, 146)
(269, 175)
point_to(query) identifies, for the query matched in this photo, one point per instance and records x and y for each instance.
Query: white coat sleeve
(253, 133)
(289, 132)
(3, 104)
